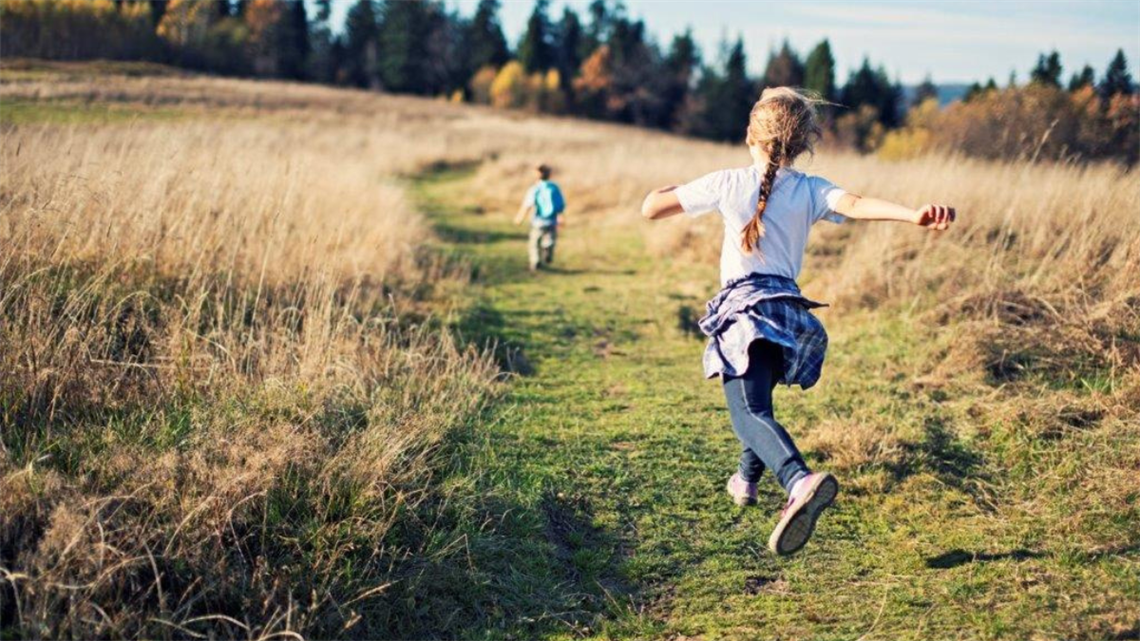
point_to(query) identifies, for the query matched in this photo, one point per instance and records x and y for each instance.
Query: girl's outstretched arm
(661, 203)
(936, 217)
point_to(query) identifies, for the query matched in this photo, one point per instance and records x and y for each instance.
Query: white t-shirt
(797, 202)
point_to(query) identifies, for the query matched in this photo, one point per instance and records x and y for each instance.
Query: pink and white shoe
(741, 491)
(809, 498)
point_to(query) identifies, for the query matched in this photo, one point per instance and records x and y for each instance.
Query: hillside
(271, 364)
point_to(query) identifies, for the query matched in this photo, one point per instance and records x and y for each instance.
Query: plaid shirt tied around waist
(770, 308)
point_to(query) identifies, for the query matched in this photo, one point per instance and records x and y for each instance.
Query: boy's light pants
(540, 245)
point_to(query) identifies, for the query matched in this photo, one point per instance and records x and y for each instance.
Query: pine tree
(684, 56)
(361, 46)
(925, 91)
(626, 37)
(1086, 78)
(681, 64)
(444, 66)
(784, 68)
(486, 43)
(535, 51)
(404, 31)
(598, 31)
(819, 71)
(1116, 79)
(157, 9)
(324, 47)
(976, 89)
(1048, 70)
(639, 88)
(728, 98)
(867, 86)
(293, 41)
(569, 47)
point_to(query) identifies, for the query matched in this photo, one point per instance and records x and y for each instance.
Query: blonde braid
(754, 230)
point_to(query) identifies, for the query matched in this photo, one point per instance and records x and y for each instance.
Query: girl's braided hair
(783, 124)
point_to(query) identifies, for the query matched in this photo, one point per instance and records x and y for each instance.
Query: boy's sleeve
(825, 198)
(701, 195)
(528, 199)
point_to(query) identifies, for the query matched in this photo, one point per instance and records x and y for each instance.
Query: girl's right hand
(936, 217)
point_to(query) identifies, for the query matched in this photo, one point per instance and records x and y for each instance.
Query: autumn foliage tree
(264, 18)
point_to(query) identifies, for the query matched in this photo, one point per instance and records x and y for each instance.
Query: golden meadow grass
(217, 367)
(202, 333)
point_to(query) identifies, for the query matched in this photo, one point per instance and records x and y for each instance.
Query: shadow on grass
(570, 271)
(461, 235)
(951, 461)
(688, 318)
(957, 557)
(485, 327)
(495, 568)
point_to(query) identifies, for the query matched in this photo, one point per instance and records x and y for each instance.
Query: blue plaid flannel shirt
(764, 307)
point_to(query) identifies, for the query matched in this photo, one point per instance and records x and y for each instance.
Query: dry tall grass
(214, 409)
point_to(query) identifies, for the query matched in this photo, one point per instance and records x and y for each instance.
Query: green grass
(18, 111)
(589, 502)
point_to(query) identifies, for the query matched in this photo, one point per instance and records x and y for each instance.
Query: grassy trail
(600, 475)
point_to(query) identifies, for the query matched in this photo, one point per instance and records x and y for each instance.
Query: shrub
(480, 85)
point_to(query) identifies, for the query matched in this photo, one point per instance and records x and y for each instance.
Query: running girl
(760, 330)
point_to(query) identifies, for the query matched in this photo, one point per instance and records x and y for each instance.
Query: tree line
(602, 65)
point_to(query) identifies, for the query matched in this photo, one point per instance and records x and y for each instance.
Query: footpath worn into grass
(598, 480)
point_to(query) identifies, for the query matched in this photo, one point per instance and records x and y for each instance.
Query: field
(271, 365)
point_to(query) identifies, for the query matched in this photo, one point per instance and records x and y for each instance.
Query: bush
(480, 85)
(860, 129)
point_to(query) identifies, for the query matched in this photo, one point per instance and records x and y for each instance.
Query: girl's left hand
(936, 217)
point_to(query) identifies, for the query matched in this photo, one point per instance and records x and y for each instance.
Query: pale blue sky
(955, 41)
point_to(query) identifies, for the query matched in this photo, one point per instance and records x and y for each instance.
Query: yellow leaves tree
(185, 23)
(509, 88)
(514, 89)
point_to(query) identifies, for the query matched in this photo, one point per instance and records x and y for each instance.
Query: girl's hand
(936, 217)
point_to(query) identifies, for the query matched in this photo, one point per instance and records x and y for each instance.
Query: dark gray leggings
(766, 443)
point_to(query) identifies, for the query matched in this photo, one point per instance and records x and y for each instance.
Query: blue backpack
(548, 200)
